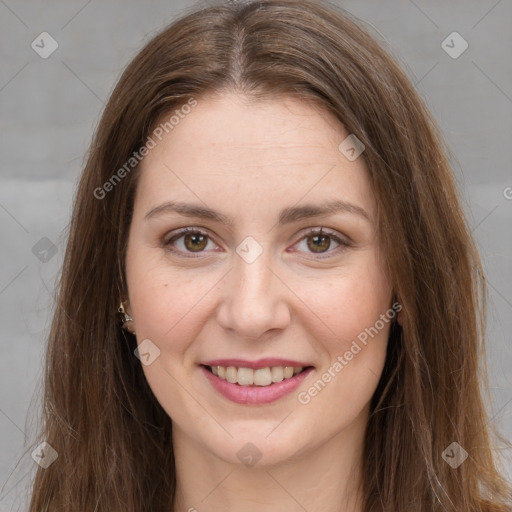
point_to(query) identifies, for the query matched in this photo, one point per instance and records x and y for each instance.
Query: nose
(254, 299)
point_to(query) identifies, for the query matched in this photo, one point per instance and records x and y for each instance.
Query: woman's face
(253, 285)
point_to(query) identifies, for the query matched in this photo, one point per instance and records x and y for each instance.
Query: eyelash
(166, 242)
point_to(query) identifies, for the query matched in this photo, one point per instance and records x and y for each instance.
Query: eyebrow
(286, 216)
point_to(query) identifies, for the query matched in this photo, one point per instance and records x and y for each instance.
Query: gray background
(50, 107)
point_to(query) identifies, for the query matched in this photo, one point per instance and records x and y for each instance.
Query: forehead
(230, 145)
(243, 127)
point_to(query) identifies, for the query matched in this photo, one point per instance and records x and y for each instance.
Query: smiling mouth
(258, 377)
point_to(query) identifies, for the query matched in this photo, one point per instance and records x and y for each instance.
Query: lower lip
(255, 394)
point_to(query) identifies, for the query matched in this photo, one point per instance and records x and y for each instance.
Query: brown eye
(187, 241)
(319, 243)
(195, 242)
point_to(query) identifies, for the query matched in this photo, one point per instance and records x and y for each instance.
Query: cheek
(350, 303)
(167, 310)
(164, 307)
(357, 312)
(168, 304)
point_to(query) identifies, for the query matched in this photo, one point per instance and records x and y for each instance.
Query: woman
(270, 297)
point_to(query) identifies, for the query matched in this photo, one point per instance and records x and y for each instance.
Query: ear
(126, 318)
(126, 304)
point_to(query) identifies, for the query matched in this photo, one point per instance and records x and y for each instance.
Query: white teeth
(231, 374)
(245, 376)
(260, 377)
(288, 372)
(277, 373)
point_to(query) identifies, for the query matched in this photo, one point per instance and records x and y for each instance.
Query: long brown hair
(113, 439)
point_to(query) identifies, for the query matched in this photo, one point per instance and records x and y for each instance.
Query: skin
(249, 160)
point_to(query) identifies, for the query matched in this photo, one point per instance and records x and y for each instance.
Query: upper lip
(260, 363)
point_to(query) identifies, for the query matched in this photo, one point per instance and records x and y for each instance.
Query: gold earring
(124, 318)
